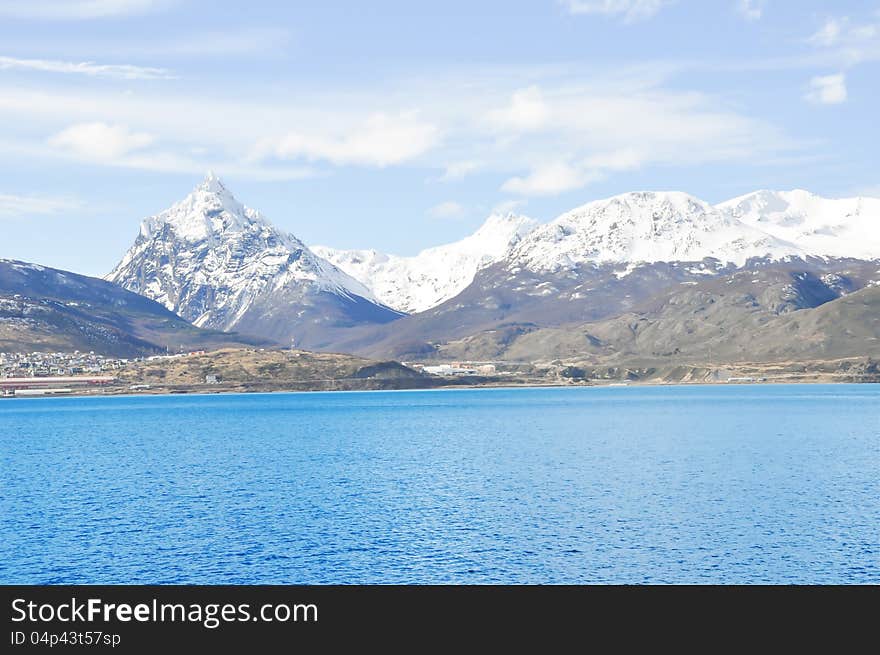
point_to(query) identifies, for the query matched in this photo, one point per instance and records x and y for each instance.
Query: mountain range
(642, 276)
(667, 259)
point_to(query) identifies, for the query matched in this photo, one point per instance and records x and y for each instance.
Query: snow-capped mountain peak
(212, 183)
(210, 209)
(499, 229)
(214, 261)
(645, 227)
(414, 284)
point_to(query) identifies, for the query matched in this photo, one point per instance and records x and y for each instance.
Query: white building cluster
(38, 364)
(460, 368)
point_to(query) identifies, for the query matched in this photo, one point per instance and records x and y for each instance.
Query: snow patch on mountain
(414, 284)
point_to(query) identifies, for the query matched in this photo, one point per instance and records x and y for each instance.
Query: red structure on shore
(9, 385)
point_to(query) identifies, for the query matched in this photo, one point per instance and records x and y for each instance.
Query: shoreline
(244, 371)
(164, 392)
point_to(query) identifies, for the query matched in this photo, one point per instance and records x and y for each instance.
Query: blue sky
(401, 125)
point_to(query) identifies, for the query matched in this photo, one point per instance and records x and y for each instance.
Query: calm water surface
(671, 484)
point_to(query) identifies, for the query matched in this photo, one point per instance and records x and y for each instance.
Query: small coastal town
(60, 373)
(37, 364)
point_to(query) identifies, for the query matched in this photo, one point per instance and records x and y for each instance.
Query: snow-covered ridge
(629, 229)
(845, 227)
(645, 227)
(208, 257)
(414, 284)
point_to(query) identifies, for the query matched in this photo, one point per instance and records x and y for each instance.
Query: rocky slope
(47, 310)
(494, 312)
(262, 366)
(766, 316)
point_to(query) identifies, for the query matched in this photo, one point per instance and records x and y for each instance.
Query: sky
(402, 125)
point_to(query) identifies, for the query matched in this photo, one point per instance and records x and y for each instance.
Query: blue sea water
(731, 484)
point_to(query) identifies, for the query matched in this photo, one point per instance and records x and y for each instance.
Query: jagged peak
(640, 210)
(210, 238)
(507, 221)
(676, 199)
(210, 208)
(212, 190)
(212, 183)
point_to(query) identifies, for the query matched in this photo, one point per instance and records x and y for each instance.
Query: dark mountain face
(502, 306)
(701, 326)
(46, 309)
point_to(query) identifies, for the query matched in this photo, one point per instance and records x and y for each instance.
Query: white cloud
(598, 131)
(828, 89)
(844, 43)
(15, 206)
(460, 169)
(77, 9)
(855, 42)
(594, 127)
(120, 71)
(829, 34)
(382, 140)
(550, 179)
(100, 141)
(630, 10)
(750, 9)
(448, 209)
(526, 111)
